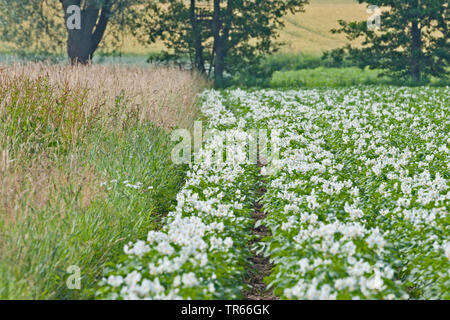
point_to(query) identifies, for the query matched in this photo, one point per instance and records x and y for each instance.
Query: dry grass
(59, 104)
(26, 187)
(163, 96)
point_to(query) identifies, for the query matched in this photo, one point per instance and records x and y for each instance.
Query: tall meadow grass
(65, 133)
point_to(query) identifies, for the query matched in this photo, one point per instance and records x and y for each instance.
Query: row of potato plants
(202, 250)
(358, 202)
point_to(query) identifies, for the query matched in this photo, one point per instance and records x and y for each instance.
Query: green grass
(50, 239)
(327, 77)
(55, 211)
(261, 74)
(290, 61)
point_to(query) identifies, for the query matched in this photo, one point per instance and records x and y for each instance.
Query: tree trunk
(416, 51)
(83, 42)
(221, 41)
(219, 64)
(218, 46)
(199, 60)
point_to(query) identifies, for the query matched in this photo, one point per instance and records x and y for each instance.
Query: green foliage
(357, 205)
(165, 58)
(413, 41)
(327, 77)
(222, 268)
(31, 27)
(257, 24)
(216, 37)
(260, 75)
(203, 250)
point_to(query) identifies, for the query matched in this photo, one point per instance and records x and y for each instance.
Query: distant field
(309, 32)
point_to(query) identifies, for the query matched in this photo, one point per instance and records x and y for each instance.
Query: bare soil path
(260, 266)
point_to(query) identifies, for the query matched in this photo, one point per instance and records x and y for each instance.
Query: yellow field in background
(306, 32)
(310, 31)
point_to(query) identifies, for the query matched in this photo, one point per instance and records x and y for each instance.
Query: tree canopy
(413, 41)
(218, 35)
